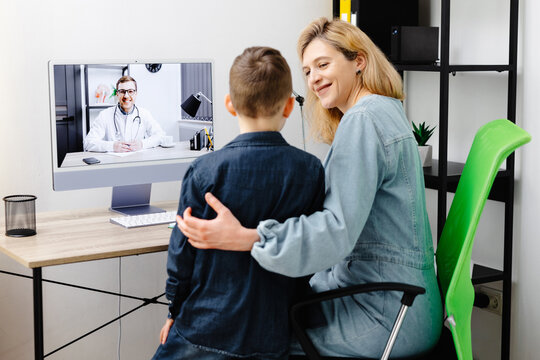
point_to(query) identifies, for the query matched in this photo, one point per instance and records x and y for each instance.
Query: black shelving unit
(443, 175)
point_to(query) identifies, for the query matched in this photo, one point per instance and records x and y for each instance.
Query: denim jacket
(374, 227)
(224, 301)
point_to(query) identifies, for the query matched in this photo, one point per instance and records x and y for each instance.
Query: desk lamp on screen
(88, 116)
(191, 107)
(193, 102)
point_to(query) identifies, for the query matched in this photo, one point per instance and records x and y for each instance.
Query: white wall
(32, 33)
(526, 289)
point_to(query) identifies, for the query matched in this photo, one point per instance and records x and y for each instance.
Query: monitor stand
(133, 200)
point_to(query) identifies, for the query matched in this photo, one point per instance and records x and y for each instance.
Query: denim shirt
(224, 300)
(374, 226)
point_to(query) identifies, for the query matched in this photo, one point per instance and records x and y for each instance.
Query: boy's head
(259, 82)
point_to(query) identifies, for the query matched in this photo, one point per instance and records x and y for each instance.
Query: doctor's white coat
(103, 132)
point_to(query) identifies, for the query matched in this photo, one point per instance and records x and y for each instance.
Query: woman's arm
(275, 249)
(223, 232)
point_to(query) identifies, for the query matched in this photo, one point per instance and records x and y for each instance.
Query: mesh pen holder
(20, 215)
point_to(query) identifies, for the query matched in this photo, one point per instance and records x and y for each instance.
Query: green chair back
(491, 146)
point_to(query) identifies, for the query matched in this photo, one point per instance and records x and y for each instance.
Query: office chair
(492, 144)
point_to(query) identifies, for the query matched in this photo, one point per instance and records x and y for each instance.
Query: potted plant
(422, 133)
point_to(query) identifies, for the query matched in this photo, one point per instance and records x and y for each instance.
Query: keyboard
(134, 221)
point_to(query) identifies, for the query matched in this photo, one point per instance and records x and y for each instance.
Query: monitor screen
(123, 123)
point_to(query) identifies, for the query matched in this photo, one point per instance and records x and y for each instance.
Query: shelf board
(101, 106)
(483, 274)
(498, 68)
(417, 67)
(193, 121)
(454, 169)
(453, 68)
(107, 66)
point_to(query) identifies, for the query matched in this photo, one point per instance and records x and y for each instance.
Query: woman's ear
(229, 105)
(361, 62)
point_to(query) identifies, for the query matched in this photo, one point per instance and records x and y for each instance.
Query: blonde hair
(378, 76)
(259, 82)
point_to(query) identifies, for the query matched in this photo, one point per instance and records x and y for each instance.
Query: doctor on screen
(125, 127)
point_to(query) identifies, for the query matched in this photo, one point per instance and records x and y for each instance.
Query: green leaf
(113, 93)
(422, 133)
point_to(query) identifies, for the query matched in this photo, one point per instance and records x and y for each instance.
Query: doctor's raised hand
(223, 232)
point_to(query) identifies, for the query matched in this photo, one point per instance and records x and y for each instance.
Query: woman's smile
(321, 90)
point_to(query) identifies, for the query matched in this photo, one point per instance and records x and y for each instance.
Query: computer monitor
(88, 117)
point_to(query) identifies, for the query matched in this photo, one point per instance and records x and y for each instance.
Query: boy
(224, 305)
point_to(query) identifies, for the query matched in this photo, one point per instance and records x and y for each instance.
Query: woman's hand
(224, 232)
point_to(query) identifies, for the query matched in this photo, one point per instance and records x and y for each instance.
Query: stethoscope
(117, 131)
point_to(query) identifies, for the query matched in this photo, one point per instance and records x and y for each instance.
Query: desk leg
(38, 314)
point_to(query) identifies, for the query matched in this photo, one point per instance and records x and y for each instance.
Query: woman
(374, 226)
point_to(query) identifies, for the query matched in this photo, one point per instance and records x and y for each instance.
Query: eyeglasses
(122, 92)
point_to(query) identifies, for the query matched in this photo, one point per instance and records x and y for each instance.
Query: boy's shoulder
(302, 155)
(230, 154)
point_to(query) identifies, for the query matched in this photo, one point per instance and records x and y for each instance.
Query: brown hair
(378, 77)
(259, 82)
(126, 78)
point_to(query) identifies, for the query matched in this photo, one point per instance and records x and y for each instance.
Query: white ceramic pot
(425, 155)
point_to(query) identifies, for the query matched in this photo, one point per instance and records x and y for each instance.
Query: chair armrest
(410, 291)
(409, 294)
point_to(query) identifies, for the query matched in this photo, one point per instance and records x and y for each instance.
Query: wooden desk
(76, 236)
